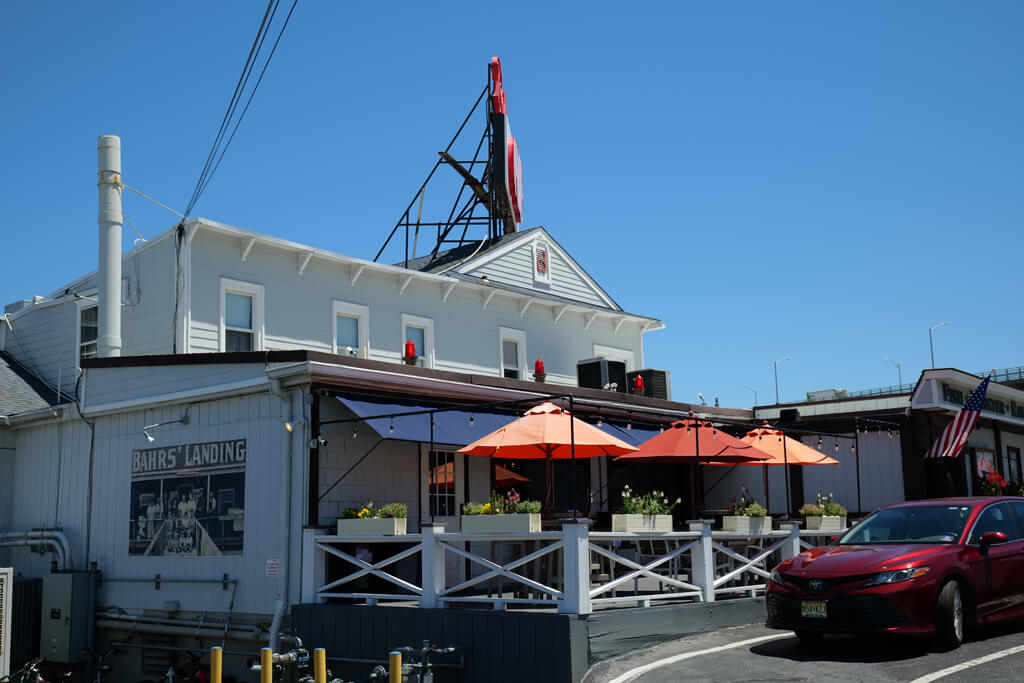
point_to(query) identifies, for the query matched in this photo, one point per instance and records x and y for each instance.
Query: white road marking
(632, 674)
(968, 664)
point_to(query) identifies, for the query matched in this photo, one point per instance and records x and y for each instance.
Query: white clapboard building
(186, 469)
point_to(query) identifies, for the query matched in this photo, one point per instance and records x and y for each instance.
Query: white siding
(881, 472)
(54, 455)
(516, 268)
(298, 312)
(45, 339)
(114, 385)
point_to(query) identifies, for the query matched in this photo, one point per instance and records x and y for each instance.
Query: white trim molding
(425, 324)
(362, 315)
(258, 295)
(519, 337)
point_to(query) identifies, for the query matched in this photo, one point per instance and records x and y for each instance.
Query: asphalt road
(755, 653)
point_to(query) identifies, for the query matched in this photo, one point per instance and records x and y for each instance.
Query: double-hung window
(420, 331)
(88, 331)
(512, 353)
(351, 329)
(241, 316)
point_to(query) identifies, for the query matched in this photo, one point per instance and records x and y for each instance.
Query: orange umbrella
(549, 432)
(784, 450)
(692, 441)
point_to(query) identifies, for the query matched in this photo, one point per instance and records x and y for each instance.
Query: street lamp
(930, 345)
(777, 378)
(755, 393)
(899, 371)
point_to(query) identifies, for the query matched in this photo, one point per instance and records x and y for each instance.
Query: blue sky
(823, 181)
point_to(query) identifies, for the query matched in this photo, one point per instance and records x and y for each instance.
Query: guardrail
(572, 570)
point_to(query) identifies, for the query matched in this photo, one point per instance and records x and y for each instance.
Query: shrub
(830, 506)
(745, 506)
(396, 510)
(756, 510)
(652, 503)
(502, 505)
(811, 510)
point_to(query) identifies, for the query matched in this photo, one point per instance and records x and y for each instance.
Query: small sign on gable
(541, 263)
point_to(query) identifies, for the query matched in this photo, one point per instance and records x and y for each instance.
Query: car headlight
(776, 577)
(897, 575)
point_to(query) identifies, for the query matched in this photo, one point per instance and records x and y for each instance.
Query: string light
(890, 434)
(629, 425)
(355, 431)
(853, 448)
(819, 443)
(600, 422)
(471, 421)
(391, 429)
(837, 447)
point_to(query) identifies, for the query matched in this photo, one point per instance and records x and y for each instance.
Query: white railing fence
(572, 570)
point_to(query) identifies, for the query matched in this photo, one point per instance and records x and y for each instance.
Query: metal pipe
(172, 648)
(161, 629)
(108, 341)
(52, 536)
(168, 621)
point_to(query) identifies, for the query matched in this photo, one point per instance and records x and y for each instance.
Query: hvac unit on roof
(602, 373)
(656, 383)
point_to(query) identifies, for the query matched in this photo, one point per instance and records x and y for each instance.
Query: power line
(217, 151)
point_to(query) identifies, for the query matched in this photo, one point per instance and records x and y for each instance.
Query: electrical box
(602, 373)
(657, 383)
(64, 627)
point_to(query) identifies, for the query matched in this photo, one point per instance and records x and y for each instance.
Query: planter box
(385, 526)
(826, 523)
(747, 525)
(519, 523)
(642, 523)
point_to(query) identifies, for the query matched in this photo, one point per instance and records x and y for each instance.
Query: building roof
(452, 257)
(20, 390)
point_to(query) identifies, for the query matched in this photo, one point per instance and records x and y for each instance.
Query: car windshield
(912, 524)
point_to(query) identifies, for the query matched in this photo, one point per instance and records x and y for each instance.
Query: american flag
(954, 436)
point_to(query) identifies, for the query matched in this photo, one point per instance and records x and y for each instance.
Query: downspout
(288, 440)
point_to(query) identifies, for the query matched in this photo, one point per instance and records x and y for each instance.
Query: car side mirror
(991, 538)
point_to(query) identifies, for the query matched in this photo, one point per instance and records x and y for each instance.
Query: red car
(927, 567)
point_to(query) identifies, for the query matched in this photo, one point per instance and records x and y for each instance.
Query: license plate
(814, 609)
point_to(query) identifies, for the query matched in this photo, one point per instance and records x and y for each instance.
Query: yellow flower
(365, 512)
(487, 508)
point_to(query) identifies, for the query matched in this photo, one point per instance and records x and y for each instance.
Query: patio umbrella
(694, 441)
(551, 433)
(784, 450)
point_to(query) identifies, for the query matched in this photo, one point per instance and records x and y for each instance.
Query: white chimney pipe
(110, 220)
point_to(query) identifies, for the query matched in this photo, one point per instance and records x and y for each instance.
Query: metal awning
(456, 426)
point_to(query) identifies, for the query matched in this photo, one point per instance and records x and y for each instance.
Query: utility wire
(217, 151)
(239, 87)
(251, 94)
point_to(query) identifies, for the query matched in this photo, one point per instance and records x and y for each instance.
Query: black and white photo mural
(188, 500)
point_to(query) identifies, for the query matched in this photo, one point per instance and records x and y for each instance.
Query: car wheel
(949, 617)
(809, 637)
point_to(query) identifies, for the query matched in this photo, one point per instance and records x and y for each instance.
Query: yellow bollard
(320, 665)
(215, 664)
(395, 667)
(266, 665)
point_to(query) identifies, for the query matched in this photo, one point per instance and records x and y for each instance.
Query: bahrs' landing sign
(188, 500)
